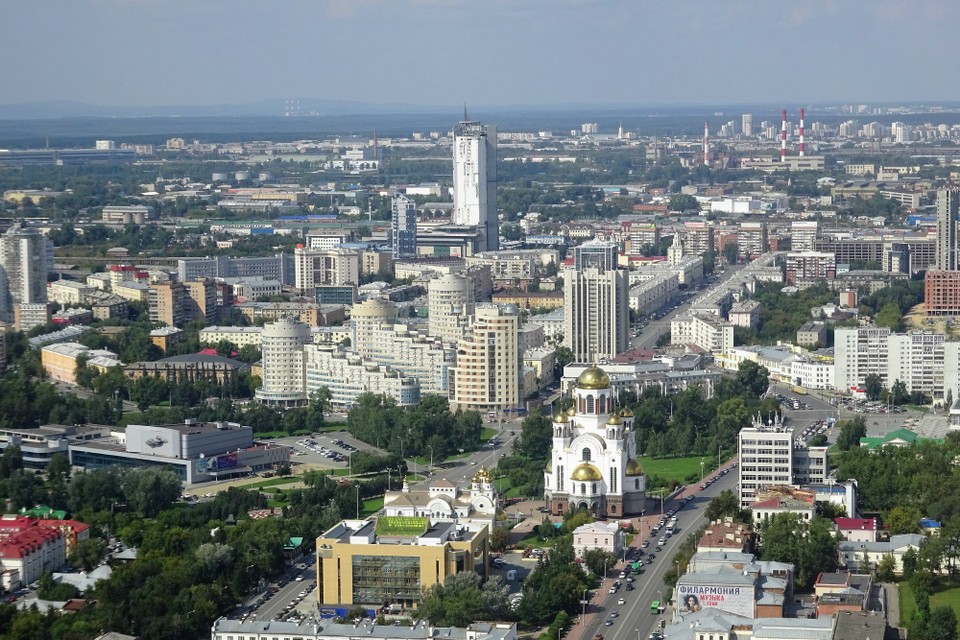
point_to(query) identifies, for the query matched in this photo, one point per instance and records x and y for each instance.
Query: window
(636, 483)
(586, 454)
(590, 405)
(583, 488)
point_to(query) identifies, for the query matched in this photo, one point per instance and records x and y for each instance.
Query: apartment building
(596, 308)
(348, 376)
(752, 239)
(316, 267)
(704, 331)
(807, 266)
(487, 374)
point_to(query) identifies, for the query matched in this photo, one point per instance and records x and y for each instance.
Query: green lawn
(676, 469)
(948, 597)
(487, 433)
(371, 506)
(272, 482)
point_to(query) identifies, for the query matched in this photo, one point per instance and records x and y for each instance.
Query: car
(613, 589)
(644, 544)
(615, 614)
(649, 561)
(608, 623)
(623, 574)
(629, 578)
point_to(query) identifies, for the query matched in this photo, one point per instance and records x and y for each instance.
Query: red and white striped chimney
(783, 137)
(801, 133)
(706, 143)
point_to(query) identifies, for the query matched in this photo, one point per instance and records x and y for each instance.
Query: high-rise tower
(948, 229)
(403, 227)
(26, 255)
(596, 305)
(475, 179)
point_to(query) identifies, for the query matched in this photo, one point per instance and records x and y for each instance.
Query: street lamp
(357, 485)
(583, 601)
(430, 446)
(701, 470)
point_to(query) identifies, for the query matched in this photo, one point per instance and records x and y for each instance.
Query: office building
(124, 215)
(746, 125)
(27, 315)
(596, 303)
(451, 301)
(390, 561)
(26, 256)
(948, 229)
(277, 267)
(593, 463)
(896, 258)
(487, 375)
(282, 344)
(191, 368)
(803, 234)
(771, 457)
(59, 360)
(941, 293)
(318, 267)
(403, 227)
(475, 180)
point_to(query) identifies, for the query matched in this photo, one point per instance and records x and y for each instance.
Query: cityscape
(524, 321)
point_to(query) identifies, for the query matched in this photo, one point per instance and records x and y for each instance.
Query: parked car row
(313, 445)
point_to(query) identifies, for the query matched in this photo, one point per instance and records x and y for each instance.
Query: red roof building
(28, 548)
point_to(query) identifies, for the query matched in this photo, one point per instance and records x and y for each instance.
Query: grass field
(948, 597)
(675, 469)
(487, 433)
(273, 482)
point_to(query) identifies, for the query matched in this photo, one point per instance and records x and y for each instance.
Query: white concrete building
(68, 292)
(475, 180)
(26, 257)
(596, 312)
(282, 344)
(348, 376)
(331, 267)
(770, 457)
(451, 300)
(443, 501)
(702, 331)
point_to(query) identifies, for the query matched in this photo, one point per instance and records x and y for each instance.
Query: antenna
(466, 118)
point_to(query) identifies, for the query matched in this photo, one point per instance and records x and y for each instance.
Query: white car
(622, 601)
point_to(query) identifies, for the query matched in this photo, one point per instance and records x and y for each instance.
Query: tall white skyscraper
(26, 256)
(596, 304)
(475, 179)
(403, 227)
(746, 125)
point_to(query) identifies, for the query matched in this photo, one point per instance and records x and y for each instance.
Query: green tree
(725, 504)
(683, 202)
(731, 252)
(942, 624)
(886, 568)
(811, 546)
(597, 560)
(850, 433)
(873, 385)
(499, 539)
(149, 490)
(753, 377)
(898, 393)
(536, 436)
(87, 554)
(890, 316)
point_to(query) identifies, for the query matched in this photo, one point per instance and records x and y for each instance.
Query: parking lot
(292, 598)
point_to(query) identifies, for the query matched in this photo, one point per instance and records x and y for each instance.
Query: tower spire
(466, 118)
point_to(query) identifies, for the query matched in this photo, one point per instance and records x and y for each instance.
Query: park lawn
(948, 597)
(487, 433)
(371, 506)
(272, 482)
(676, 469)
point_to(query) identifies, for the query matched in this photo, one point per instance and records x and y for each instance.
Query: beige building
(59, 361)
(487, 375)
(310, 313)
(451, 300)
(167, 303)
(336, 267)
(391, 560)
(67, 292)
(706, 332)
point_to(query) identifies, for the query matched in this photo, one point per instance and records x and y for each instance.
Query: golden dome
(481, 476)
(586, 472)
(593, 377)
(572, 411)
(614, 419)
(626, 413)
(561, 418)
(549, 468)
(634, 468)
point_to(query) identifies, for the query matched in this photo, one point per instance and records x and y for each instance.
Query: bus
(655, 607)
(636, 567)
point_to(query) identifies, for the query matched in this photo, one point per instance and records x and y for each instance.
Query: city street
(634, 617)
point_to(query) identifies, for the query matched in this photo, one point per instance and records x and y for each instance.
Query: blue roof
(927, 523)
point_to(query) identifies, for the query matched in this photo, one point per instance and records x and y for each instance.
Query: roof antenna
(466, 118)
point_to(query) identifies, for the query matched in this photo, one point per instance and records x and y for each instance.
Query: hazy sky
(484, 52)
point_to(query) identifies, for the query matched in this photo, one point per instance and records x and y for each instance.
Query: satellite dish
(202, 456)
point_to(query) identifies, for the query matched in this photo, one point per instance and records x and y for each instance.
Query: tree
(890, 316)
(873, 385)
(731, 252)
(898, 393)
(886, 568)
(88, 553)
(150, 490)
(683, 202)
(58, 468)
(753, 377)
(597, 560)
(460, 600)
(850, 433)
(725, 504)
(942, 624)
(535, 436)
(564, 356)
(499, 539)
(811, 546)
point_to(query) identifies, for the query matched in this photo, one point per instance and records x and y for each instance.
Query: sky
(482, 52)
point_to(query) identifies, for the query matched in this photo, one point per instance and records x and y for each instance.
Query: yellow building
(526, 300)
(390, 560)
(60, 360)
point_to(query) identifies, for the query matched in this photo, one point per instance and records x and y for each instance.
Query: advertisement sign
(732, 599)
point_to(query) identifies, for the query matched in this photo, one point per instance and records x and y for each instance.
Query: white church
(443, 501)
(594, 464)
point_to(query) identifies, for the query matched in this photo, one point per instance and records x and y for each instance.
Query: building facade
(282, 344)
(26, 256)
(596, 307)
(403, 227)
(475, 180)
(487, 375)
(451, 301)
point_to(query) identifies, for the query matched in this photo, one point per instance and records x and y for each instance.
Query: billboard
(733, 599)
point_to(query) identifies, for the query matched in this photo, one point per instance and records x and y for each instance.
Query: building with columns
(594, 464)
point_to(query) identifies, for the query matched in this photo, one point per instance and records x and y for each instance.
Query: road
(456, 471)
(634, 616)
(655, 328)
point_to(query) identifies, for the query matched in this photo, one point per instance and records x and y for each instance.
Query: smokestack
(783, 137)
(801, 133)
(706, 143)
